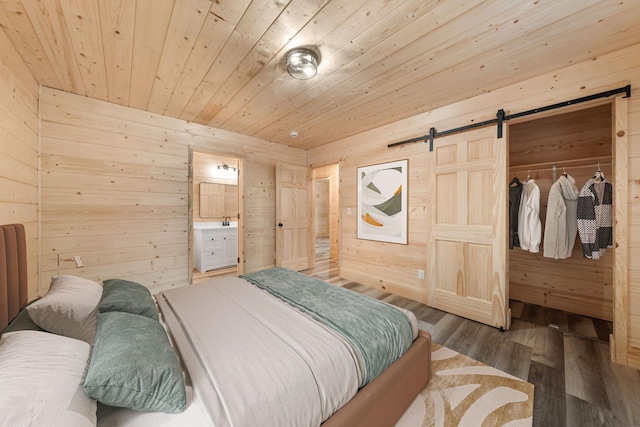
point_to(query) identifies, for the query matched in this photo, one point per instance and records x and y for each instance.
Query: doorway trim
(618, 341)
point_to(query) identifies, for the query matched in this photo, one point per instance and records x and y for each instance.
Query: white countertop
(213, 225)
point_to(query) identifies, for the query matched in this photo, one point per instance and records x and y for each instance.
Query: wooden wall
(389, 266)
(575, 142)
(19, 151)
(394, 267)
(115, 190)
(321, 199)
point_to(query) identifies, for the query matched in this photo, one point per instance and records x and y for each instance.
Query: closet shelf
(582, 162)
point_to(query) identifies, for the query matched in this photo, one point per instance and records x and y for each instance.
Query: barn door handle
(279, 224)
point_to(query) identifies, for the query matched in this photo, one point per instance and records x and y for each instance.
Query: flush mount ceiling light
(302, 64)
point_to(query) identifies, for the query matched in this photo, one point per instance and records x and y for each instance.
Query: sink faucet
(227, 220)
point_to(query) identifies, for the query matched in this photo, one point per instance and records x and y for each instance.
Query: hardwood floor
(212, 274)
(575, 382)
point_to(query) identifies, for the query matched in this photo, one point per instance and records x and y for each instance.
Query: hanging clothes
(515, 193)
(561, 225)
(595, 217)
(529, 226)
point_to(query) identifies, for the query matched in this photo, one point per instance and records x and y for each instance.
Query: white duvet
(267, 364)
(252, 359)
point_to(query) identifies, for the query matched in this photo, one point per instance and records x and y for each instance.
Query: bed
(326, 376)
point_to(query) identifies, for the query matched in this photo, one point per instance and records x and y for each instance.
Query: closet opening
(556, 284)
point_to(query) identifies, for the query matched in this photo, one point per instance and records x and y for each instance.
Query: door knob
(280, 225)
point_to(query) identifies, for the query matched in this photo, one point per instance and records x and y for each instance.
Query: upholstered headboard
(13, 272)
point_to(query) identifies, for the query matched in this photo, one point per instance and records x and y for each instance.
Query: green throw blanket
(379, 332)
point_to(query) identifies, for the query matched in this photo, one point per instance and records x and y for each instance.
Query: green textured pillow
(22, 322)
(130, 297)
(133, 365)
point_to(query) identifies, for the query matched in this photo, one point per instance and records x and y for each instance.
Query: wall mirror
(212, 200)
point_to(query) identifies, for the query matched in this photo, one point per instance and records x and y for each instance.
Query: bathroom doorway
(214, 210)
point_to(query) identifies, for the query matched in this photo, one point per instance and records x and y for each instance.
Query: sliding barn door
(294, 217)
(468, 239)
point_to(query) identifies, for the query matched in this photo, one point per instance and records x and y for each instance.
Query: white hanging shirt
(529, 226)
(561, 225)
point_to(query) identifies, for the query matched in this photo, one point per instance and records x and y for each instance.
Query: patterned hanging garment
(595, 218)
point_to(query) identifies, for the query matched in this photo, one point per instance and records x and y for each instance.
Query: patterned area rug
(464, 392)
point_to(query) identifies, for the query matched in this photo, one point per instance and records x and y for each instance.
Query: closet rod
(501, 117)
(513, 173)
(587, 161)
(550, 169)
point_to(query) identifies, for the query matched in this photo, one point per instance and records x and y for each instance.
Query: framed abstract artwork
(382, 202)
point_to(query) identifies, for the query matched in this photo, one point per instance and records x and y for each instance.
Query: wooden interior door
(294, 217)
(467, 272)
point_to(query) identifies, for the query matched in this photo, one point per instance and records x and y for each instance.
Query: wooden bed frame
(383, 401)
(379, 404)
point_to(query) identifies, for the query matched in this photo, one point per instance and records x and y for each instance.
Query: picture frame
(382, 202)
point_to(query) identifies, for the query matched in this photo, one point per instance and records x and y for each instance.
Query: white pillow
(41, 378)
(69, 308)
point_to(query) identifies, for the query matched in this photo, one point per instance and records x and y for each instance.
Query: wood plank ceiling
(222, 62)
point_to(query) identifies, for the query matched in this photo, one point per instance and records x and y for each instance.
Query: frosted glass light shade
(302, 64)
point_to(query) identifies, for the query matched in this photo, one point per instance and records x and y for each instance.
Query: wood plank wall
(394, 267)
(321, 199)
(115, 190)
(389, 266)
(575, 142)
(19, 152)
